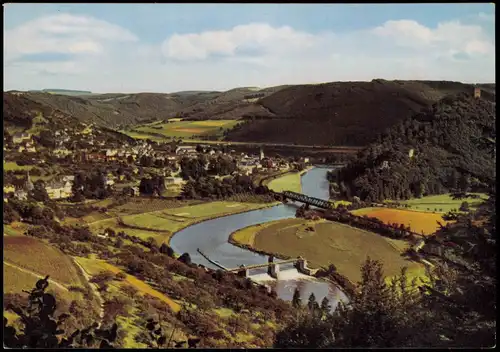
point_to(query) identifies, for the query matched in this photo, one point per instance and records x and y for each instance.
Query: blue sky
(168, 47)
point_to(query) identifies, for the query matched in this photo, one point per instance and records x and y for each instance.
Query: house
(61, 152)
(96, 156)
(186, 149)
(174, 181)
(21, 194)
(109, 180)
(385, 165)
(111, 154)
(9, 189)
(267, 163)
(58, 189)
(68, 178)
(18, 138)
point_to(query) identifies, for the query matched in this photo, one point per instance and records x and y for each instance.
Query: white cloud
(254, 36)
(109, 58)
(486, 16)
(62, 34)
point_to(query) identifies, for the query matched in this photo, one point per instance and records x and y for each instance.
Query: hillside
(446, 147)
(116, 110)
(342, 113)
(336, 113)
(22, 114)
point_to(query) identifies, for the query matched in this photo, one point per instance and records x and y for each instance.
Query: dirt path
(95, 290)
(55, 283)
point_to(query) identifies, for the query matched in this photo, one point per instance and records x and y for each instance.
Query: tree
(296, 300)
(312, 304)
(185, 258)
(166, 249)
(378, 315)
(464, 206)
(39, 193)
(9, 214)
(325, 306)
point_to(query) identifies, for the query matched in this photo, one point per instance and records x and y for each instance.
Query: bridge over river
(273, 268)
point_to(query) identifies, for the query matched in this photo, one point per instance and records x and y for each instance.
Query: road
(95, 289)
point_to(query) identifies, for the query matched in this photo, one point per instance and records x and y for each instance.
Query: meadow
(324, 242)
(288, 182)
(442, 203)
(188, 129)
(420, 222)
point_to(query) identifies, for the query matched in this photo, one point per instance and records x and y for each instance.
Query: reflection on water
(211, 237)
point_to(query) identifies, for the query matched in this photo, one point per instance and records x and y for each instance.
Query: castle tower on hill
(477, 93)
(261, 153)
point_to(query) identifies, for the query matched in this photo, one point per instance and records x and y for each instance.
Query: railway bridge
(299, 197)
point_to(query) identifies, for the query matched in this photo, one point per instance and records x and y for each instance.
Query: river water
(211, 237)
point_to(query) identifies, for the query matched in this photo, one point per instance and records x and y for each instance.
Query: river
(211, 237)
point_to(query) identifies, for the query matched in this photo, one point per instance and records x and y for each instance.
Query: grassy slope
(34, 255)
(330, 243)
(94, 266)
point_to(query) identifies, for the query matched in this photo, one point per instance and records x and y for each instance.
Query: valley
(123, 218)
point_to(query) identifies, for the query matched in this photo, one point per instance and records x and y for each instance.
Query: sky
(176, 47)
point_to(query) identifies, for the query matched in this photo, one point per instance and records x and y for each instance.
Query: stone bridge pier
(243, 272)
(301, 265)
(273, 270)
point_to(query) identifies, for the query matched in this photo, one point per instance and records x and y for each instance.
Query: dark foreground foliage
(42, 328)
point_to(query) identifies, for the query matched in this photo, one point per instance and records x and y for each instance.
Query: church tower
(261, 153)
(28, 185)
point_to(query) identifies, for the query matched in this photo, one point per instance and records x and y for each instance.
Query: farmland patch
(34, 255)
(420, 222)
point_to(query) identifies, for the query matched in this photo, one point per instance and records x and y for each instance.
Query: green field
(288, 182)
(185, 129)
(443, 203)
(328, 243)
(12, 166)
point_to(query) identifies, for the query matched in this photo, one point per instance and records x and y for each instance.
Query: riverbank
(286, 181)
(222, 215)
(323, 243)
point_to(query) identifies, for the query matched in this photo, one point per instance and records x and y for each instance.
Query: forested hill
(446, 147)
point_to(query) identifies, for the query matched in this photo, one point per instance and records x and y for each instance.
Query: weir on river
(212, 237)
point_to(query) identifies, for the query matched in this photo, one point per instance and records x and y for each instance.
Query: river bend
(211, 237)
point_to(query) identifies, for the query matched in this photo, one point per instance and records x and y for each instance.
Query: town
(125, 163)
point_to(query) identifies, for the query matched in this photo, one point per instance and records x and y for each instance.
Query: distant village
(86, 146)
